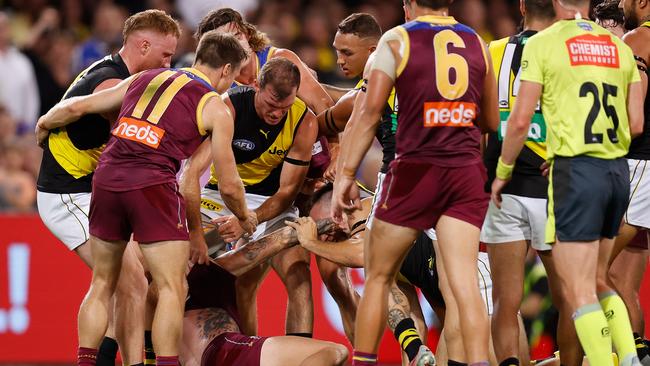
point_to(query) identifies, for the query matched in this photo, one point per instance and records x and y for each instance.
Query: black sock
(641, 347)
(512, 361)
(455, 363)
(304, 335)
(149, 354)
(138, 364)
(408, 338)
(107, 352)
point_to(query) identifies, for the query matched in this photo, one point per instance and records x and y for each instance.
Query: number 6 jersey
(585, 72)
(439, 85)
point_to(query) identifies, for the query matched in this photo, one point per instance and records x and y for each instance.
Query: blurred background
(45, 44)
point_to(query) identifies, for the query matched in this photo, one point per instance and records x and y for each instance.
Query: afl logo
(242, 144)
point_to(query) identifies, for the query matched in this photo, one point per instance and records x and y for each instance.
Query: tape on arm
(384, 57)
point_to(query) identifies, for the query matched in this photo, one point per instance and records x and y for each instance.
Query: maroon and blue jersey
(439, 84)
(159, 125)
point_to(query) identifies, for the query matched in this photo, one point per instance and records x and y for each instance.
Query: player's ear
(226, 70)
(145, 46)
(373, 48)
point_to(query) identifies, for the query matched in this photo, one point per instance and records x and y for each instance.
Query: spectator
(107, 36)
(18, 89)
(17, 193)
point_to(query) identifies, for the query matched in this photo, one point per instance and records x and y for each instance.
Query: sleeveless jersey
(71, 153)
(585, 72)
(640, 146)
(160, 124)
(260, 148)
(439, 85)
(387, 127)
(527, 179)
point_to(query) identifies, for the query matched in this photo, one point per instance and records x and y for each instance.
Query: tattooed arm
(249, 255)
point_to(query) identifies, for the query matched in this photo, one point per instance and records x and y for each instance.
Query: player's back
(585, 72)
(159, 125)
(439, 85)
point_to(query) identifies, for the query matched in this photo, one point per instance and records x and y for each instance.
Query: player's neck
(537, 24)
(645, 18)
(128, 61)
(572, 12)
(421, 12)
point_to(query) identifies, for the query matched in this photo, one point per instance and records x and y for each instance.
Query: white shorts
(66, 216)
(213, 206)
(371, 215)
(638, 209)
(520, 218)
(485, 281)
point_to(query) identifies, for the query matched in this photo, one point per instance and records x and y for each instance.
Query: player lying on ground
(211, 327)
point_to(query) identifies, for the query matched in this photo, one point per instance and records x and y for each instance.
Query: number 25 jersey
(585, 72)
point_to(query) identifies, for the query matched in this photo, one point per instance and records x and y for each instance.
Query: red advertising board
(42, 285)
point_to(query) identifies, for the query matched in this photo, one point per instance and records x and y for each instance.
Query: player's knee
(338, 353)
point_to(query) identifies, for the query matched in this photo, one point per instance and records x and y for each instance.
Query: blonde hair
(155, 20)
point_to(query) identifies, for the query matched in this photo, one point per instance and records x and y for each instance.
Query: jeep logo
(242, 144)
(276, 151)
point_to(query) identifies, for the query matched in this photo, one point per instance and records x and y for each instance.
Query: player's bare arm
(310, 90)
(635, 99)
(70, 110)
(251, 254)
(335, 92)
(638, 40)
(348, 253)
(333, 120)
(518, 125)
(293, 172)
(218, 119)
(190, 188)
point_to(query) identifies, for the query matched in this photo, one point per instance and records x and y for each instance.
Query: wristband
(504, 171)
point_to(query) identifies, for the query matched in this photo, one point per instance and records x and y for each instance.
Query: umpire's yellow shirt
(585, 72)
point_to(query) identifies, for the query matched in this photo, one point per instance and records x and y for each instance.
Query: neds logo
(449, 114)
(139, 131)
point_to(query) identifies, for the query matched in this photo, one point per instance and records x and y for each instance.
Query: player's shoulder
(638, 40)
(498, 45)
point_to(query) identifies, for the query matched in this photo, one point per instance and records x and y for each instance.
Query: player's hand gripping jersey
(586, 81)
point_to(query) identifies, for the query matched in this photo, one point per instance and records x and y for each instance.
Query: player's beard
(631, 19)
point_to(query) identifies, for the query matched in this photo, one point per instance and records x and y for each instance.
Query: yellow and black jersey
(387, 127)
(527, 179)
(260, 148)
(71, 153)
(640, 146)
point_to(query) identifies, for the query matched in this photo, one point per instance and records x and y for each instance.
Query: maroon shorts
(233, 349)
(417, 194)
(640, 240)
(152, 214)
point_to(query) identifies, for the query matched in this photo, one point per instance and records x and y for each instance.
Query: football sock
(303, 335)
(149, 354)
(86, 356)
(593, 332)
(455, 363)
(107, 352)
(364, 359)
(619, 326)
(512, 361)
(408, 337)
(167, 361)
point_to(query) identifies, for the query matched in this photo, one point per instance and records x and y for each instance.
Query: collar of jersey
(197, 73)
(436, 19)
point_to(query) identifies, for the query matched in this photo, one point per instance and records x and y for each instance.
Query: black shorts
(587, 198)
(419, 269)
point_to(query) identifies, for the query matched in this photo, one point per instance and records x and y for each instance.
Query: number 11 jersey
(585, 72)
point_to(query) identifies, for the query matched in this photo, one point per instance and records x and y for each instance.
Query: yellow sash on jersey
(78, 163)
(255, 171)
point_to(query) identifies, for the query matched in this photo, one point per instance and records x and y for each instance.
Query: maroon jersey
(439, 86)
(159, 125)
